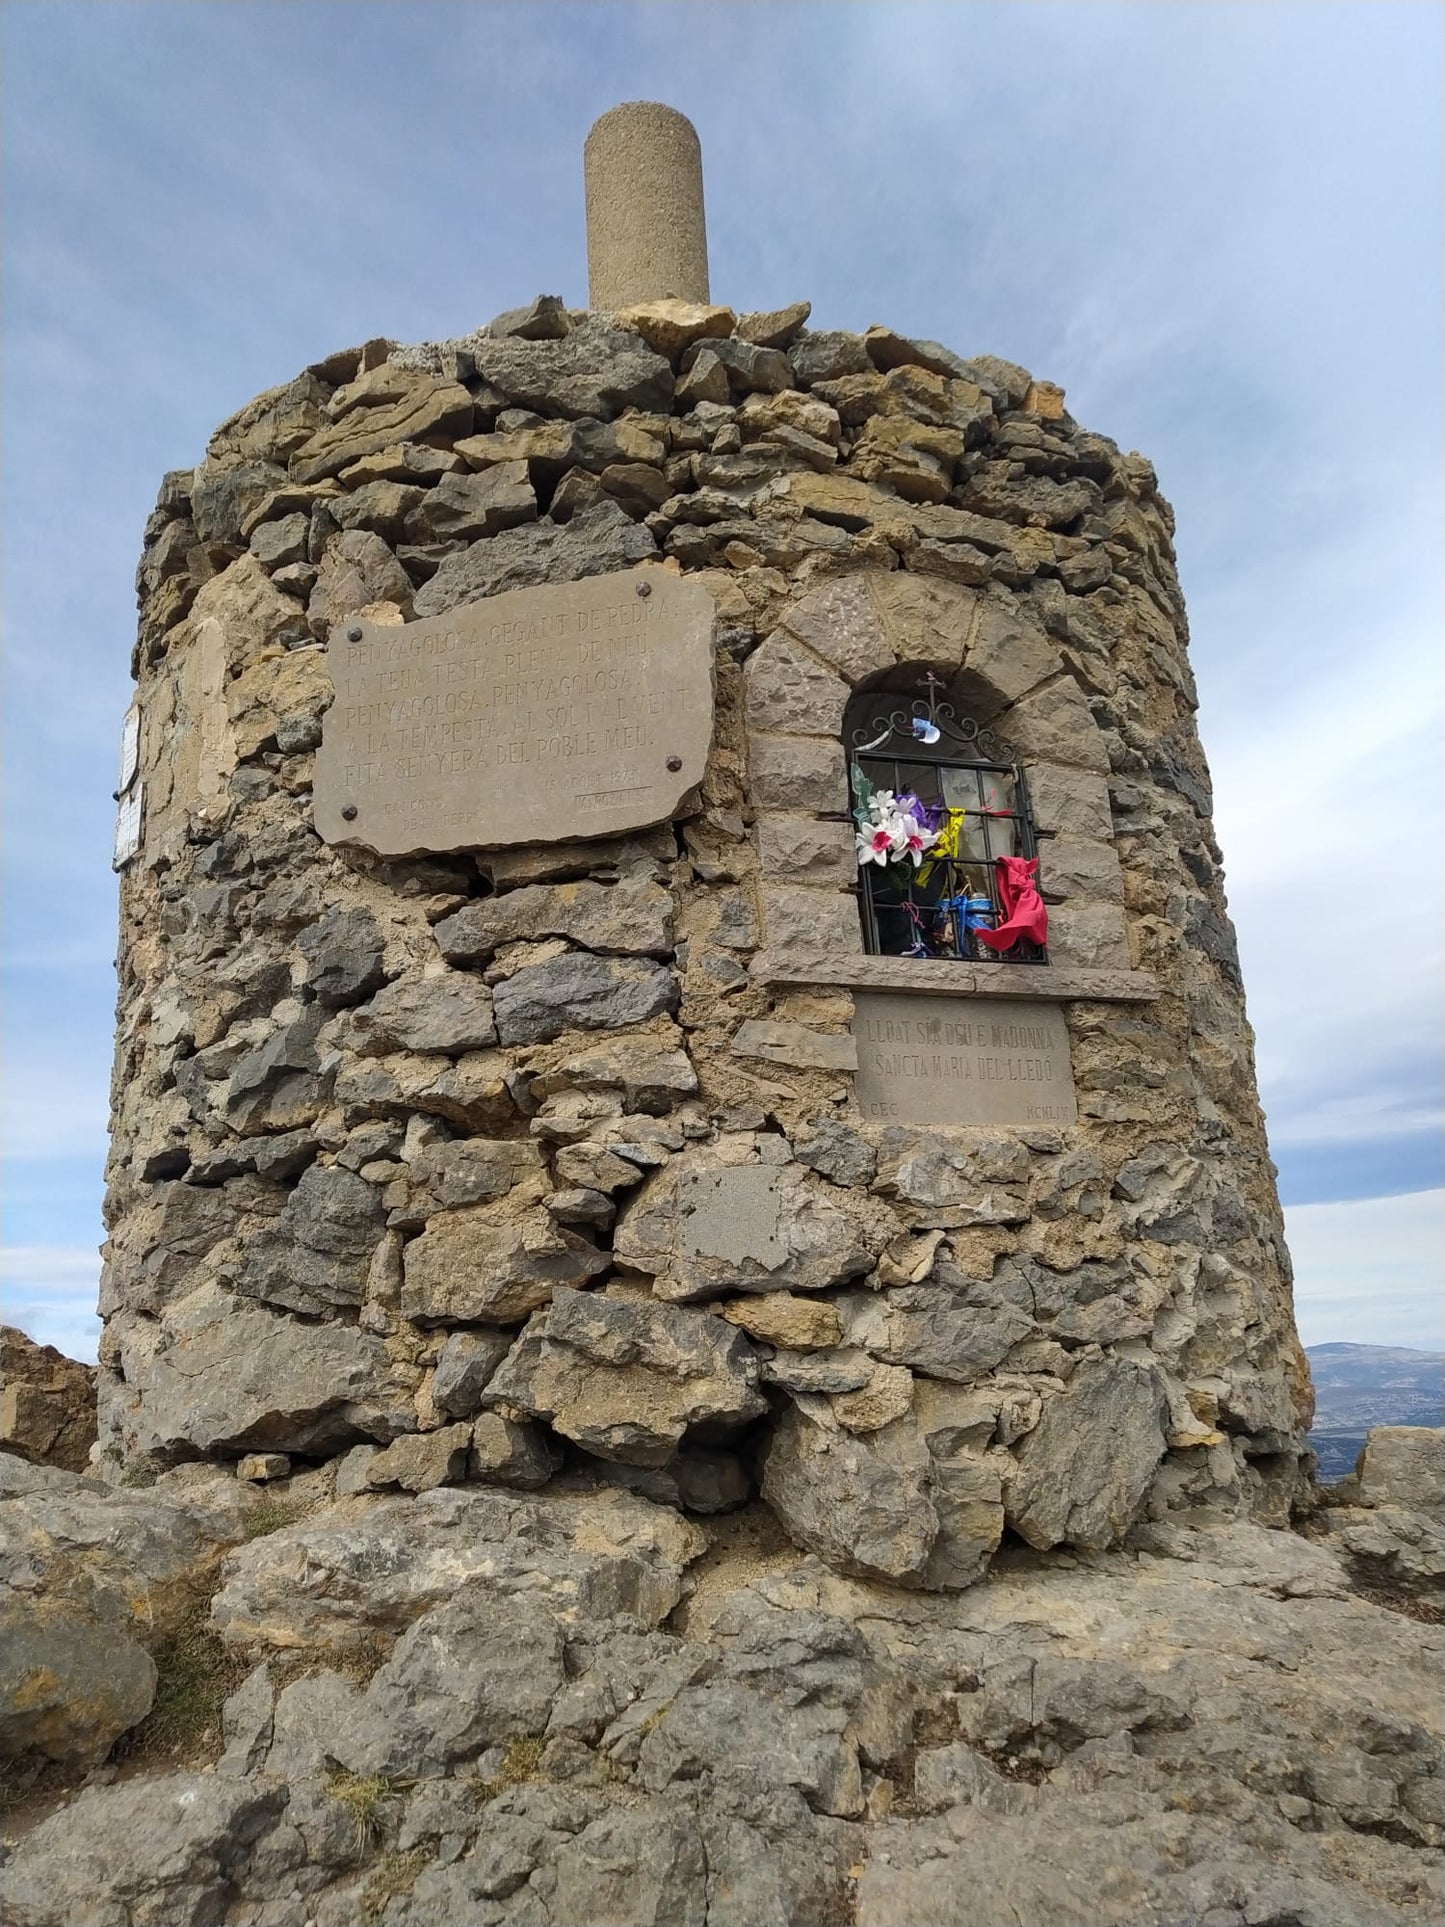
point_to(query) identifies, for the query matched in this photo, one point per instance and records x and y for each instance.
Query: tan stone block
(1069, 802)
(886, 1396)
(924, 619)
(1074, 866)
(251, 610)
(840, 622)
(790, 691)
(806, 850)
(779, 1318)
(796, 772)
(761, 414)
(1008, 652)
(796, 1045)
(775, 327)
(842, 499)
(426, 410)
(825, 920)
(1091, 935)
(670, 326)
(1056, 725)
(1045, 398)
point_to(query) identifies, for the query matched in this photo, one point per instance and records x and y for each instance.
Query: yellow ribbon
(945, 845)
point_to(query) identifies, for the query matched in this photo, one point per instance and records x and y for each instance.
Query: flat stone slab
(579, 709)
(936, 1060)
(937, 977)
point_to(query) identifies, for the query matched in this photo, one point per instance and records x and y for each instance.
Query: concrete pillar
(646, 231)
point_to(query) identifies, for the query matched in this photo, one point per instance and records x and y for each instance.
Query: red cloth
(1025, 913)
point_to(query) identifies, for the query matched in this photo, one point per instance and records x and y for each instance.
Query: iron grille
(951, 765)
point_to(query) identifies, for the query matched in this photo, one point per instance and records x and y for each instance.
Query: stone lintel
(936, 976)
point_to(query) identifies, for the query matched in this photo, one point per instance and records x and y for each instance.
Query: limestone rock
(628, 1379)
(487, 1264)
(581, 991)
(219, 1376)
(90, 1579)
(709, 1223)
(596, 541)
(474, 1672)
(223, 495)
(317, 1253)
(545, 319)
(377, 1568)
(272, 426)
(1084, 1469)
(669, 326)
(836, 1151)
(449, 1014)
(507, 1451)
(417, 1462)
(593, 370)
(1391, 1525)
(799, 1324)
(343, 955)
(775, 327)
(465, 507)
(260, 1468)
(418, 409)
(1403, 1465)
(797, 1045)
(47, 1403)
(799, 848)
(861, 1503)
(840, 622)
(789, 690)
(694, 1481)
(750, 369)
(464, 1368)
(632, 917)
(650, 1073)
(472, 1170)
(826, 355)
(70, 1683)
(357, 569)
(145, 1852)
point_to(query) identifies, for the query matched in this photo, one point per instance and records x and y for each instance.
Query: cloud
(50, 1292)
(1369, 1272)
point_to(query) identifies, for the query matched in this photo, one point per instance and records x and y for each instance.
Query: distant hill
(1357, 1386)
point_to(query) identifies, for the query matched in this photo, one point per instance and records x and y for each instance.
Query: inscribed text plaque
(962, 1060)
(578, 709)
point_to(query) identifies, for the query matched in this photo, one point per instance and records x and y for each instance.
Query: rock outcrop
(577, 1707)
(47, 1403)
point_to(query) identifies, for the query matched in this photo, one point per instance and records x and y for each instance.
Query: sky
(1217, 226)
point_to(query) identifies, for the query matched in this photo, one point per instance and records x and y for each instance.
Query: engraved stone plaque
(962, 1060)
(575, 710)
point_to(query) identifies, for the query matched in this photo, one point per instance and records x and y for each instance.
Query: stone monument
(520, 1079)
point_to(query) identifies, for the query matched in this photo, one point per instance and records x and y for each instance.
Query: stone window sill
(934, 977)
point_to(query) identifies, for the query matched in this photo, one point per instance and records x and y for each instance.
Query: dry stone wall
(545, 1161)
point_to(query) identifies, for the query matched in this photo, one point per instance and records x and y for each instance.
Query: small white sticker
(129, 745)
(127, 826)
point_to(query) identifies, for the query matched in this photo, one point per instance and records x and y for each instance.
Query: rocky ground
(579, 1706)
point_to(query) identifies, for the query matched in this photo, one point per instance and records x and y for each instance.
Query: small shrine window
(946, 849)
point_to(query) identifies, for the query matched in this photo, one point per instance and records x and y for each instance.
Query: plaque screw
(354, 633)
(674, 762)
(644, 588)
(350, 812)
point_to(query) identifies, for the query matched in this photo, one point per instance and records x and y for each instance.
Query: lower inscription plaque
(579, 709)
(962, 1060)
